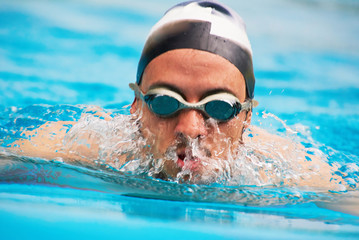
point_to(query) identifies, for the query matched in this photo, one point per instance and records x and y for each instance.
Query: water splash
(121, 149)
(278, 162)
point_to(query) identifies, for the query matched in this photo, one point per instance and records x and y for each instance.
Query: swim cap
(203, 25)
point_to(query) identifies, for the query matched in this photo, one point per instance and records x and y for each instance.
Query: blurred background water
(58, 56)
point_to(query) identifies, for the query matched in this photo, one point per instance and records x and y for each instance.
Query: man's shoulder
(256, 134)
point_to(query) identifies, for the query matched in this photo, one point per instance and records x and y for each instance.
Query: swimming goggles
(165, 103)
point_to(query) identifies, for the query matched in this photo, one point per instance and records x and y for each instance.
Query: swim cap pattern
(202, 25)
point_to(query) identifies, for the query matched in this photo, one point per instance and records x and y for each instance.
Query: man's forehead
(194, 56)
(191, 61)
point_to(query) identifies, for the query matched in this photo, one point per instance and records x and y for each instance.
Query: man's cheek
(158, 141)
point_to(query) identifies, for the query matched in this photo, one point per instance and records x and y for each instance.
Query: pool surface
(57, 57)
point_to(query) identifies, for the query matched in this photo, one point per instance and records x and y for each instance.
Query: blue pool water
(57, 57)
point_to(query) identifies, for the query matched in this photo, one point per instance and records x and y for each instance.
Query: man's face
(189, 140)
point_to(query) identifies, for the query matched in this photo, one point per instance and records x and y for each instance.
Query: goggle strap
(137, 90)
(249, 105)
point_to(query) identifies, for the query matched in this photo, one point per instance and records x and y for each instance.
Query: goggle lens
(162, 105)
(220, 110)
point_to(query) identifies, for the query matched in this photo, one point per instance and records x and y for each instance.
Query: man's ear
(133, 106)
(249, 117)
(247, 122)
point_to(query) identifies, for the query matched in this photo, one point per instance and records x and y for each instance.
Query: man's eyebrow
(217, 90)
(177, 90)
(169, 87)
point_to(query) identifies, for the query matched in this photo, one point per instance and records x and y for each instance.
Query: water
(57, 58)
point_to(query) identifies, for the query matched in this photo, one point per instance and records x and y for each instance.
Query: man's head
(199, 50)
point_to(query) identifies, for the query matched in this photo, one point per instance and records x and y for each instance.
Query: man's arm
(47, 142)
(51, 141)
(310, 168)
(345, 203)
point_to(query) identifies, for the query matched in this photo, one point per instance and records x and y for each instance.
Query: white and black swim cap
(203, 25)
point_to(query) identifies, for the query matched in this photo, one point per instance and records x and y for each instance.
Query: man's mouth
(186, 160)
(180, 160)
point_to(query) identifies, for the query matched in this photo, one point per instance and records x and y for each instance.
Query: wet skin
(194, 74)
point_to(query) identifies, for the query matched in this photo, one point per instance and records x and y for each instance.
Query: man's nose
(191, 123)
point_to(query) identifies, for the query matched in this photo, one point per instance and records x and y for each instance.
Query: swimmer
(194, 99)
